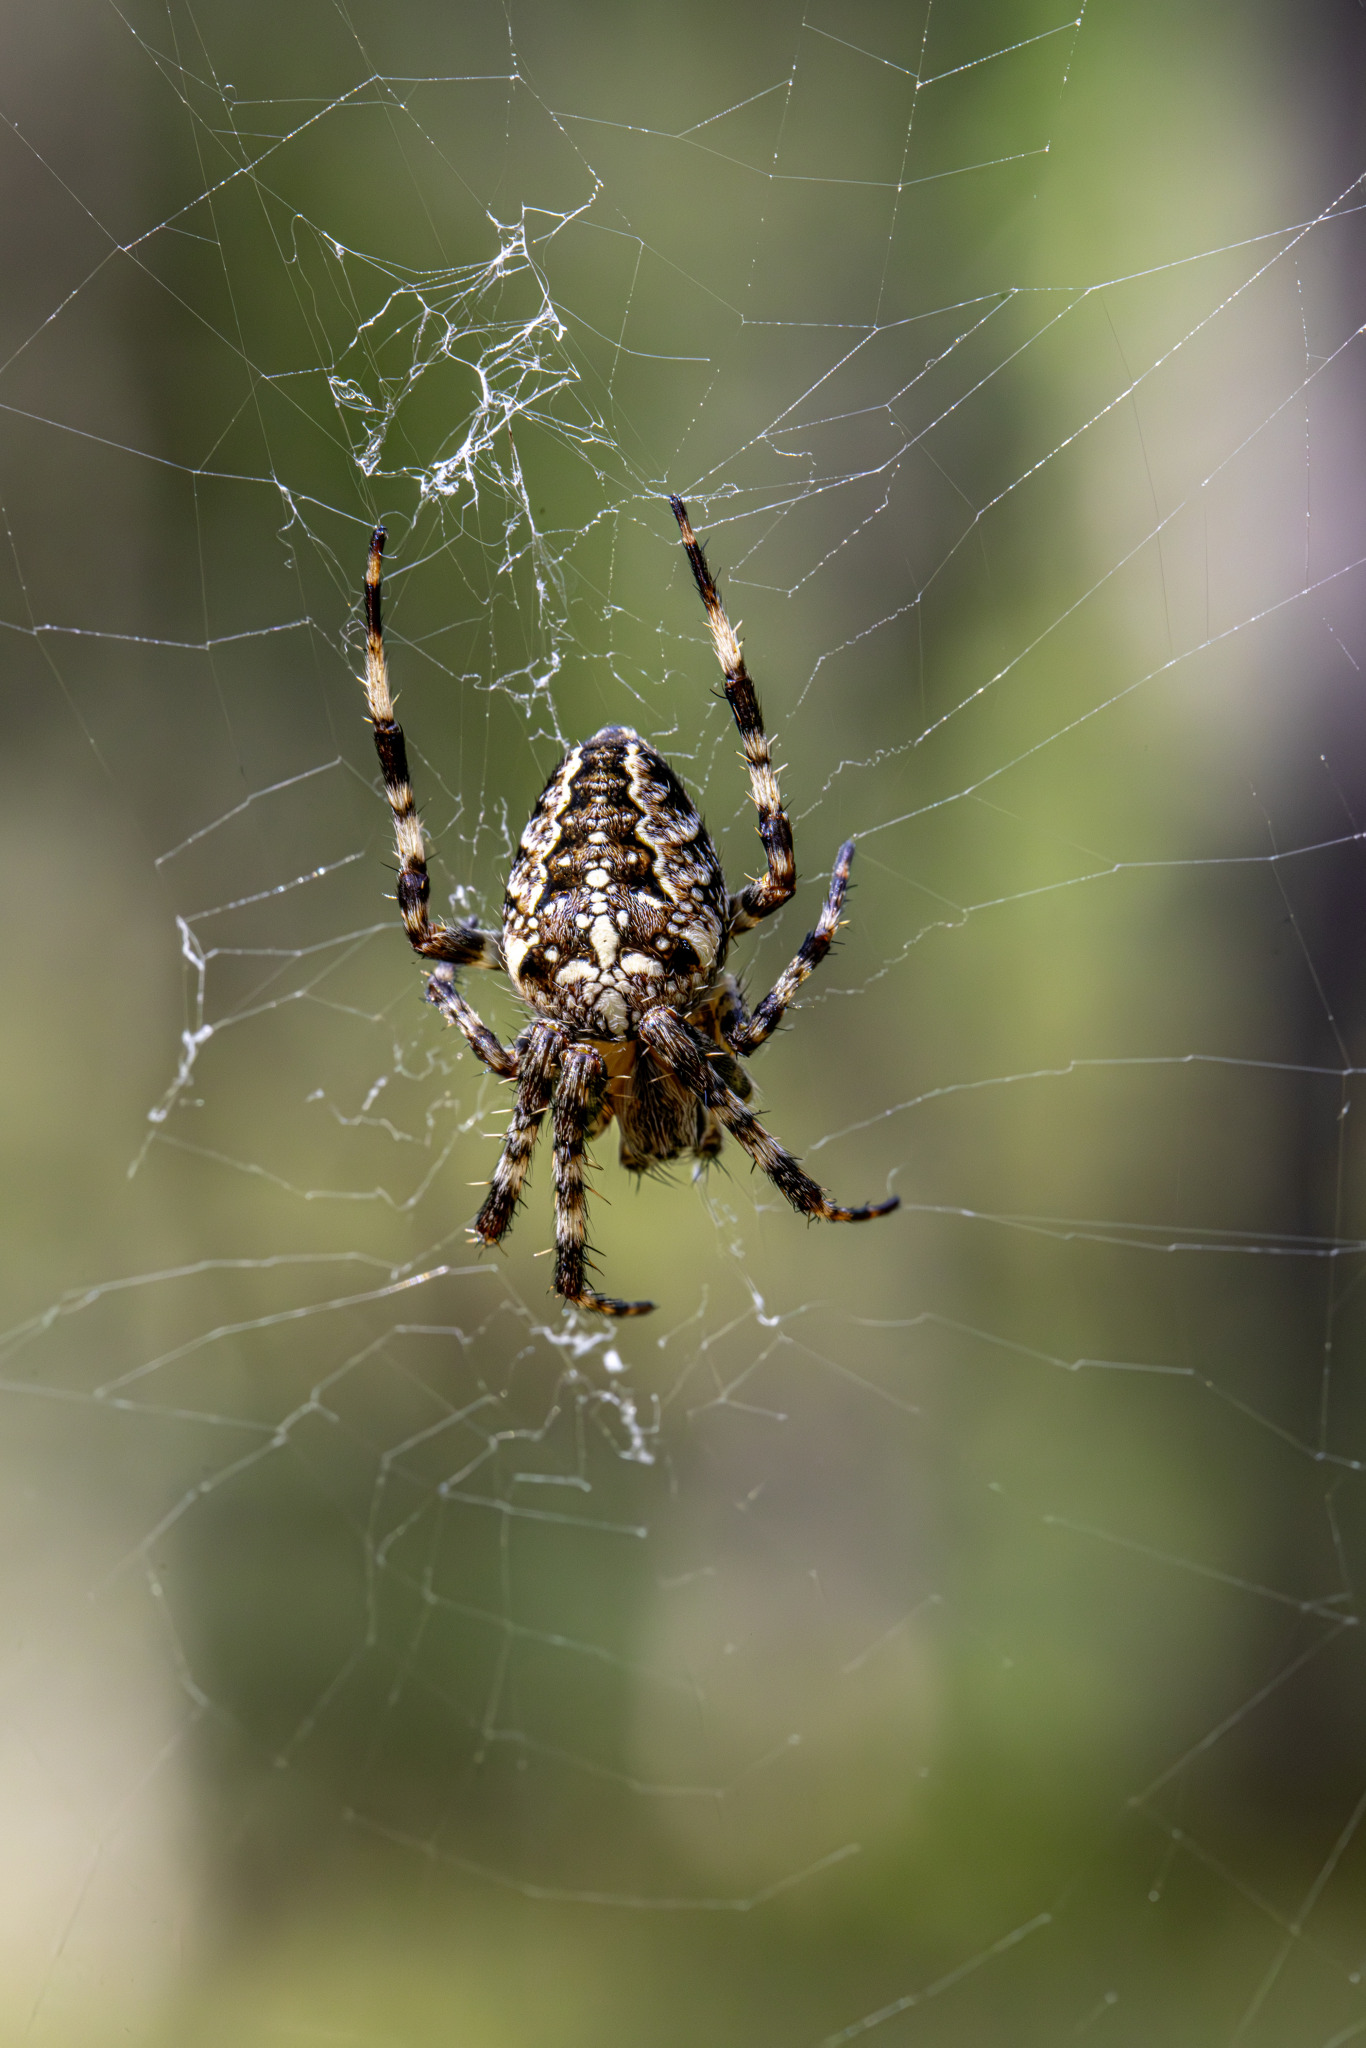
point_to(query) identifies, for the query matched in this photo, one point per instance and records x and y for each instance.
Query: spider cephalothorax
(616, 926)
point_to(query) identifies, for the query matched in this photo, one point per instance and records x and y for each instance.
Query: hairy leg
(487, 1046)
(460, 945)
(720, 1017)
(538, 1055)
(757, 899)
(748, 1032)
(683, 1051)
(578, 1099)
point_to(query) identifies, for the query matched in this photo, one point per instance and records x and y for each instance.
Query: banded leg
(684, 1053)
(485, 1044)
(757, 899)
(460, 945)
(578, 1098)
(538, 1059)
(751, 1031)
(720, 1018)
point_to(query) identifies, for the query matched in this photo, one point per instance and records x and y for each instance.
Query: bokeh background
(946, 1632)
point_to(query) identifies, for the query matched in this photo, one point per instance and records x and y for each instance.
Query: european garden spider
(616, 926)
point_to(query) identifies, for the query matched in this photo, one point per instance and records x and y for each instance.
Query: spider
(616, 926)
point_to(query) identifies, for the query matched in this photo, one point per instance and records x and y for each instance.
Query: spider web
(943, 1631)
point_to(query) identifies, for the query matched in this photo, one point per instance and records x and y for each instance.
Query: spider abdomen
(616, 901)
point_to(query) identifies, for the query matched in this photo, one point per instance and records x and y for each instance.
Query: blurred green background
(944, 1632)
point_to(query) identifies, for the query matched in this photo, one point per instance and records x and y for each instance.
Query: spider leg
(757, 899)
(717, 1021)
(747, 1032)
(536, 1061)
(683, 1052)
(485, 1044)
(578, 1097)
(460, 945)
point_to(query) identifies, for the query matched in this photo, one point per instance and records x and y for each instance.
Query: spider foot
(831, 1212)
(606, 1304)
